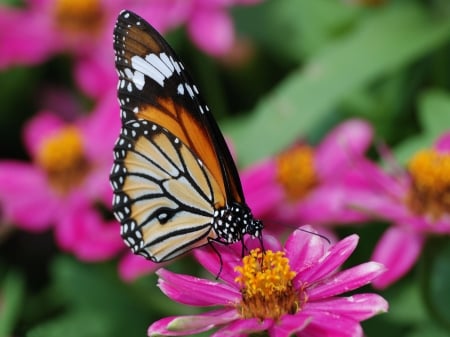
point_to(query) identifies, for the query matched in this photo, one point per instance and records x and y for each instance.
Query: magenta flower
(311, 185)
(210, 26)
(415, 200)
(133, 266)
(64, 183)
(43, 28)
(287, 291)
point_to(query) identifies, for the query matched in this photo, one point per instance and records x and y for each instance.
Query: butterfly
(175, 184)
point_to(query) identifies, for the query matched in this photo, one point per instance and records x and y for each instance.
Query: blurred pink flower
(65, 184)
(42, 29)
(414, 199)
(285, 291)
(306, 185)
(134, 266)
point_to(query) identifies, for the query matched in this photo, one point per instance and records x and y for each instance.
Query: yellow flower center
(61, 155)
(80, 16)
(430, 192)
(266, 286)
(296, 171)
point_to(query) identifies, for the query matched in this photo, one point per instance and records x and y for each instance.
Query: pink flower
(42, 29)
(414, 199)
(210, 26)
(311, 185)
(295, 290)
(64, 184)
(133, 266)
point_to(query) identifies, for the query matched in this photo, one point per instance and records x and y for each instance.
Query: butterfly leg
(210, 242)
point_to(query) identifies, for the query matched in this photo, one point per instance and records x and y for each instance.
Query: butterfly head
(254, 228)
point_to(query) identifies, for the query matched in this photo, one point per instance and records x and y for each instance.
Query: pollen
(84, 16)
(265, 279)
(296, 171)
(62, 156)
(430, 192)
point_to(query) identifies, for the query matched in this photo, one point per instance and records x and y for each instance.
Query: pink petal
(209, 259)
(165, 15)
(341, 147)
(358, 307)
(26, 198)
(326, 324)
(288, 325)
(329, 203)
(30, 42)
(83, 232)
(95, 74)
(191, 290)
(212, 30)
(332, 260)
(133, 266)
(304, 249)
(95, 186)
(443, 143)
(187, 325)
(39, 128)
(262, 191)
(345, 281)
(244, 327)
(398, 250)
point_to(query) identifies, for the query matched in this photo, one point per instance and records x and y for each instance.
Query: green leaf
(96, 302)
(407, 149)
(435, 279)
(78, 324)
(308, 25)
(434, 117)
(435, 112)
(406, 304)
(11, 299)
(390, 39)
(428, 329)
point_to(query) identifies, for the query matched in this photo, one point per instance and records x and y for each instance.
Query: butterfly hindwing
(166, 195)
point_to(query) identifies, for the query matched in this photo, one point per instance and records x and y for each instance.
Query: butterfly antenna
(317, 234)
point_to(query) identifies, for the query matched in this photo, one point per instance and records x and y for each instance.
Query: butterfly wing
(163, 196)
(153, 85)
(172, 169)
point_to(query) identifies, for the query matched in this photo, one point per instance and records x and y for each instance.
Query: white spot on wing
(167, 61)
(180, 89)
(145, 68)
(159, 65)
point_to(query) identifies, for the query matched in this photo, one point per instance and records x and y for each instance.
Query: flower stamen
(62, 158)
(296, 171)
(265, 279)
(430, 192)
(84, 16)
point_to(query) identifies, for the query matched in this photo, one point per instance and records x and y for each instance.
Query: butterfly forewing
(175, 184)
(154, 85)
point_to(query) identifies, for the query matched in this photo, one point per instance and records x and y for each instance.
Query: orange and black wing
(153, 85)
(173, 176)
